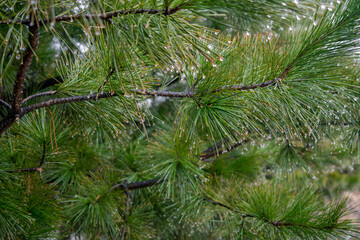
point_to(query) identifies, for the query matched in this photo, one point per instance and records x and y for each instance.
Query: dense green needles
(178, 119)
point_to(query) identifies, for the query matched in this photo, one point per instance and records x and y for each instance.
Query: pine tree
(176, 119)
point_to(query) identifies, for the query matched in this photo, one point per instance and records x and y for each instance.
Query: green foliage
(269, 211)
(174, 161)
(94, 211)
(142, 104)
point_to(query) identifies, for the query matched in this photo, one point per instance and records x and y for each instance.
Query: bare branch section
(104, 16)
(24, 68)
(165, 94)
(14, 114)
(57, 101)
(136, 185)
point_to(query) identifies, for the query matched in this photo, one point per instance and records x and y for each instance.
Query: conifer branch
(102, 16)
(14, 114)
(24, 68)
(165, 94)
(57, 101)
(96, 96)
(248, 87)
(208, 153)
(278, 224)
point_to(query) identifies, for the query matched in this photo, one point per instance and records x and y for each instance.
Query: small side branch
(34, 169)
(166, 94)
(97, 96)
(57, 101)
(5, 104)
(136, 185)
(248, 87)
(41, 94)
(104, 16)
(216, 150)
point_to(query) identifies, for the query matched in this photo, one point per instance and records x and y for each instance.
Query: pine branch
(34, 169)
(260, 85)
(11, 118)
(208, 153)
(20, 78)
(248, 87)
(280, 224)
(24, 68)
(104, 16)
(57, 101)
(166, 94)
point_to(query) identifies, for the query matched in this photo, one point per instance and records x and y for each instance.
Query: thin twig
(33, 169)
(136, 185)
(104, 16)
(57, 101)
(165, 93)
(217, 149)
(111, 72)
(5, 104)
(36, 95)
(127, 212)
(247, 87)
